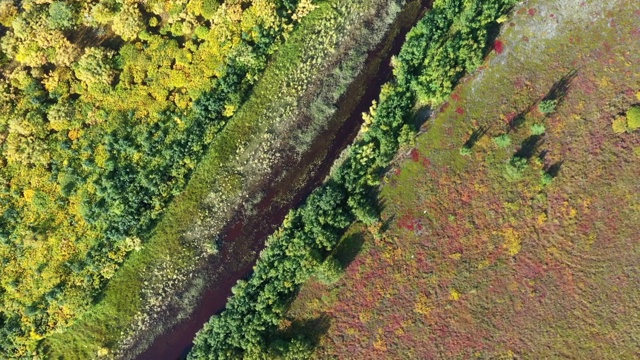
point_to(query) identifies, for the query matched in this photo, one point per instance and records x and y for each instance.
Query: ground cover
(511, 228)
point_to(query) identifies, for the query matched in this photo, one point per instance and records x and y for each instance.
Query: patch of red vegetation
(415, 155)
(636, 32)
(498, 46)
(585, 84)
(519, 83)
(510, 117)
(459, 110)
(406, 222)
(532, 12)
(455, 97)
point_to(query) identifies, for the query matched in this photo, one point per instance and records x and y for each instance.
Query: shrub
(502, 141)
(515, 168)
(465, 151)
(633, 118)
(619, 125)
(546, 179)
(547, 106)
(537, 129)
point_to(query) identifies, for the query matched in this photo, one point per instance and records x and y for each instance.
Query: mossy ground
(475, 263)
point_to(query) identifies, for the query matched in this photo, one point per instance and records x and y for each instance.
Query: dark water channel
(244, 237)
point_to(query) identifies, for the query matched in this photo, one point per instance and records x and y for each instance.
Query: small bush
(502, 141)
(547, 106)
(546, 179)
(619, 125)
(330, 271)
(465, 151)
(633, 118)
(537, 129)
(515, 168)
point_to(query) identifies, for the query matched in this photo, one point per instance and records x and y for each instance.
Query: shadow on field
(311, 329)
(560, 88)
(349, 248)
(308, 331)
(554, 169)
(529, 146)
(420, 118)
(476, 135)
(518, 120)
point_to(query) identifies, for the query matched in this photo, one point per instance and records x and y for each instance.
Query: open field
(505, 238)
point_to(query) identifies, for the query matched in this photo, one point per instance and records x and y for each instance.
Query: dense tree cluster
(106, 107)
(448, 41)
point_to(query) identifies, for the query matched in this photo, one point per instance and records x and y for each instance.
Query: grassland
(484, 255)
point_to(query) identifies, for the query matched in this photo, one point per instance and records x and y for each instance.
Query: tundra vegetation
(525, 249)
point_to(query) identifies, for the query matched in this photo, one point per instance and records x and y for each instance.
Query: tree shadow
(308, 331)
(492, 34)
(476, 135)
(419, 120)
(529, 147)
(554, 169)
(560, 88)
(312, 329)
(348, 248)
(518, 119)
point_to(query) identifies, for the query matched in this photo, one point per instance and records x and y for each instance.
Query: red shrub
(510, 117)
(459, 110)
(498, 46)
(415, 155)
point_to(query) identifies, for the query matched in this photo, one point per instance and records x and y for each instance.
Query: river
(244, 237)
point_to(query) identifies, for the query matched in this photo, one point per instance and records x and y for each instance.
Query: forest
(107, 108)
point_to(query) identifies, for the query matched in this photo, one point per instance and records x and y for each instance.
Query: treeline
(106, 108)
(450, 40)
